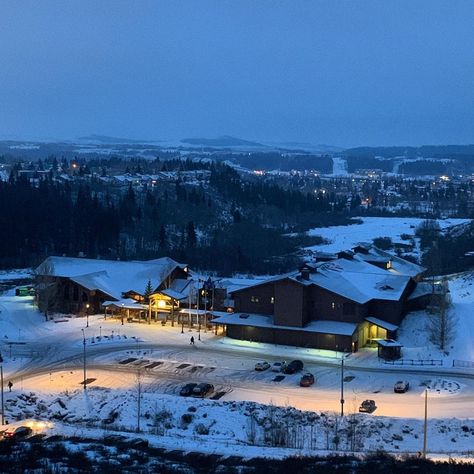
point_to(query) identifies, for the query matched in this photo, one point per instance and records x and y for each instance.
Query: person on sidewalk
(192, 340)
(10, 385)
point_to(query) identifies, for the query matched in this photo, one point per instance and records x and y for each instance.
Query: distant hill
(427, 151)
(224, 141)
(314, 148)
(109, 140)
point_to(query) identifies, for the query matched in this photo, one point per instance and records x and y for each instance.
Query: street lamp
(87, 315)
(84, 343)
(342, 382)
(123, 309)
(1, 382)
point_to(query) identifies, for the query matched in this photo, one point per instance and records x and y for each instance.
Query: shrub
(201, 429)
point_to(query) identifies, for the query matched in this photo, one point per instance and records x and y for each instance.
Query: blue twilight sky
(347, 73)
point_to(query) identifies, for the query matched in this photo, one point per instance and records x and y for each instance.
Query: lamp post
(87, 315)
(342, 383)
(123, 309)
(84, 343)
(1, 382)
(199, 331)
(425, 425)
(100, 332)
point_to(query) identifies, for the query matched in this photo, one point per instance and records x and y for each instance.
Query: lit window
(254, 299)
(389, 265)
(333, 305)
(272, 299)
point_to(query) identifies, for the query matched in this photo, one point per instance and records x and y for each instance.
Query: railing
(466, 364)
(419, 362)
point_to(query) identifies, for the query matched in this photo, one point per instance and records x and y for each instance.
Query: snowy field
(346, 237)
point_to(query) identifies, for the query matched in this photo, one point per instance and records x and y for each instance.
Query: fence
(465, 364)
(419, 362)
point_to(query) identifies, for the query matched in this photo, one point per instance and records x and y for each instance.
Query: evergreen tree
(191, 238)
(148, 291)
(162, 237)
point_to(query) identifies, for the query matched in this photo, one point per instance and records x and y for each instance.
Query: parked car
(401, 386)
(278, 366)
(367, 406)
(203, 390)
(293, 367)
(307, 380)
(187, 390)
(16, 433)
(261, 366)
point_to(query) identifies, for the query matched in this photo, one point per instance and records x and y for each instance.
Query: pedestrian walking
(192, 341)
(10, 385)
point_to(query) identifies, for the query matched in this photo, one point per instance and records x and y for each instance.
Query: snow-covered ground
(229, 427)
(345, 237)
(339, 166)
(45, 358)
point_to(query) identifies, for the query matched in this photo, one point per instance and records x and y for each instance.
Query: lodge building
(342, 302)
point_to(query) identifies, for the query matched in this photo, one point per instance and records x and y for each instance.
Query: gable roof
(355, 280)
(400, 266)
(112, 277)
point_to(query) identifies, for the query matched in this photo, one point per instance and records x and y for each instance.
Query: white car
(261, 366)
(278, 366)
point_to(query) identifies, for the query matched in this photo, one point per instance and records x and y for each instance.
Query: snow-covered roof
(265, 321)
(388, 343)
(126, 303)
(381, 323)
(234, 284)
(399, 266)
(112, 277)
(173, 294)
(422, 289)
(356, 280)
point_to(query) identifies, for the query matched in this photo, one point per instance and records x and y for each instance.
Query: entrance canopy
(383, 324)
(127, 303)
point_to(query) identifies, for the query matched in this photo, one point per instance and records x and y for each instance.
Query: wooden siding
(263, 293)
(326, 305)
(291, 338)
(290, 304)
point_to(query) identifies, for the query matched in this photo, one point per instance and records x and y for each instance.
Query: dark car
(19, 432)
(293, 367)
(401, 386)
(367, 406)
(187, 390)
(202, 390)
(307, 380)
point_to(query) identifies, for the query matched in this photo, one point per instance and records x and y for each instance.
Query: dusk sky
(344, 73)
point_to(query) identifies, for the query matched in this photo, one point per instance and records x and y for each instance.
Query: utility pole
(1, 382)
(426, 424)
(139, 393)
(84, 343)
(342, 385)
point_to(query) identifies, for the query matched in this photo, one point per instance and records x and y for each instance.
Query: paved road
(232, 371)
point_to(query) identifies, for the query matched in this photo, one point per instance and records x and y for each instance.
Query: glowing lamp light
(161, 303)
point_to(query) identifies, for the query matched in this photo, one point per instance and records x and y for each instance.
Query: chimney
(305, 271)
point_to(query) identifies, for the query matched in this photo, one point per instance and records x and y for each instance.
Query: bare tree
(139, 398)
(443, 322)
(46, 286)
